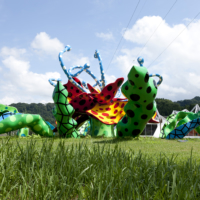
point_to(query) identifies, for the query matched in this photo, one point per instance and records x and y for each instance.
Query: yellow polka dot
(13, 118)
(29, 118)
(37, 127)
(20, 123)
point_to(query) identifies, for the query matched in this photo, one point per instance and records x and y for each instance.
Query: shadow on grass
(115, 140)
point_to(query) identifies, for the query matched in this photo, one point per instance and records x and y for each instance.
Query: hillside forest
(165, 107)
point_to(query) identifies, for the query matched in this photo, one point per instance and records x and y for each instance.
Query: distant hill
(165, 107)
(195, 100)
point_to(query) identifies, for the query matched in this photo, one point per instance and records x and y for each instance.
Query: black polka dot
(69, 94)
(137, 105)
(135, 132)
(76, 109)
(137, 75)
(130, 113)
(135, 123)
(75, 101)
(144, 116)
(155, 84)
(85, 108)
(107, 97)
(109, 88)
(120, 134)
(91, 104)
(154, 95)
(134, 97)
(65, 87)
(140, 88)
(82, 102)
(145, 101)
(148, 89)
(149, 106)
(126, 87)
(72, 88)
(146, 78)
(124, 120)
(119, 83)
(100, 101)
(131, 82)
(126, 129)
(77, 91)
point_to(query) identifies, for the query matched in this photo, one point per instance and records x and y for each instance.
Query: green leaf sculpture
(63, 112)
(141, 90)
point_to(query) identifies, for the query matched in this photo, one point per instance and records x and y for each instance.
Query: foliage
(164, 106)
(101, 172)
(187, 102)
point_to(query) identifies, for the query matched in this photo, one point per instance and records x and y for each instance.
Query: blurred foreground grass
(99, 168)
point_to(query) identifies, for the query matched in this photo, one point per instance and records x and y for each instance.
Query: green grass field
(99, 168)
(148, 145)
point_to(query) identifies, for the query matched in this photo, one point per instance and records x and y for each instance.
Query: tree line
(165, 107)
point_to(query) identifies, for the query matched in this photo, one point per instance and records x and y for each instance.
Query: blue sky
(33, 32)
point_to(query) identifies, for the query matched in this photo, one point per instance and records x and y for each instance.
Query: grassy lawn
(148, 145)
(99, 168)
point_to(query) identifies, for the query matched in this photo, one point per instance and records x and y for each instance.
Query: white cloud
(16, 65)
(79, 60)
(178, 64)
(43, 44)
(5, 51)
(110, 78)
(7, 100)
(105, 36)
(19, 84)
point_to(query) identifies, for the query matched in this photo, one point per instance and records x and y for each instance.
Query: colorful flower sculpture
(104, 105)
